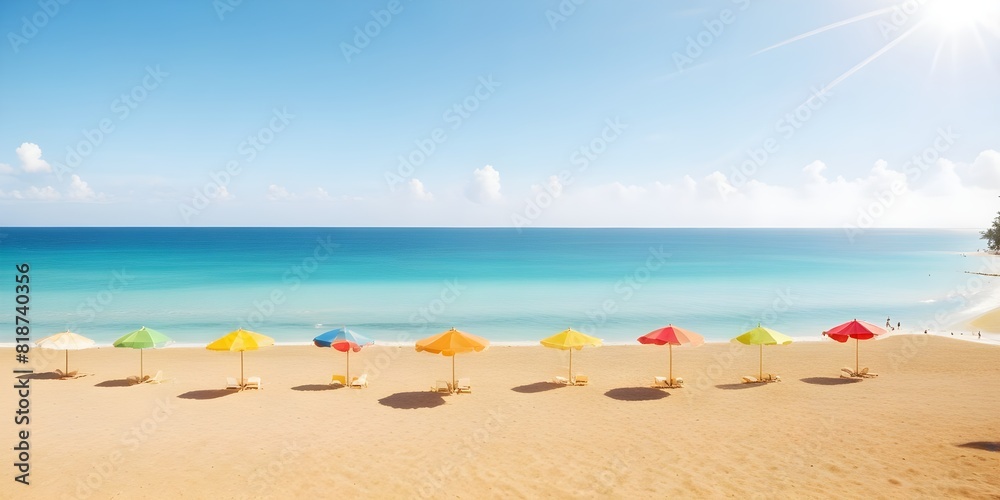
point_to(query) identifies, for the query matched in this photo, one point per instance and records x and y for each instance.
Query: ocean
(401, 284)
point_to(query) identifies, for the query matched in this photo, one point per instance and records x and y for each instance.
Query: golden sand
(927, 427)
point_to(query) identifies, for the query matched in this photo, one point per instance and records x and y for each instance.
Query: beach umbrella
(857, 330)
(240, 340)
(671, 336)
(65, 341)
(450, 343)
(343, 340)
(143, 338)
(570, 339)
(763, 336)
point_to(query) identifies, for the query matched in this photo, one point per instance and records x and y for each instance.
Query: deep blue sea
(195, 284)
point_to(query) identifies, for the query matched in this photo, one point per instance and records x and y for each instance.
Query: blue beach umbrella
(343, 340)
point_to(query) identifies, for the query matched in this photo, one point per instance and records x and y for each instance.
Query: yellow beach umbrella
(451, 343)
(763, 336)
(240, 340)
(570, 339)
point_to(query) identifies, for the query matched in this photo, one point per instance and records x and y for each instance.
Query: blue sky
(513, 113)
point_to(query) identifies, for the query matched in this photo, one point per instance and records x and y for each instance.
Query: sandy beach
(928, 426)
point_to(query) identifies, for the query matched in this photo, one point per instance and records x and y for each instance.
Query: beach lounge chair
(560, 380)
(464, 385)
(359, 382)
(770, 377)
(133, 380)
(747, 379)
(231, 384)
(442, 386)
(253, 383)
(338, 380)
(866, 374)
(581, 380)
(155, 379)
(71, 374)
(676, 383)
(847, 373)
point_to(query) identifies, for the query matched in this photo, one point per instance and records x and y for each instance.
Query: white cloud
(418, 192)
(485, 185)
(224, 195)
(79, 190)
(47, 193)
(985, 171)
(6, 169)
(31, 158)
(278, 193)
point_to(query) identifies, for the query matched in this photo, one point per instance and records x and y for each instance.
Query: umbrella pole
(671, 364)
(760, 369)
(140, 364)
(348, 376)
(242, 380)
(571, 366)
(856, 363)
(67, 362)
(453, 381)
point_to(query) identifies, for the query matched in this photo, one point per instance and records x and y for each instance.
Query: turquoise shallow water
(194, 284)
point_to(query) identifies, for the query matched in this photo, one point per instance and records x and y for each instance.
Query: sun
(955, 17)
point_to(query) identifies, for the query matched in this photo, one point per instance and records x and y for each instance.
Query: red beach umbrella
(672, 335)
(857, 330)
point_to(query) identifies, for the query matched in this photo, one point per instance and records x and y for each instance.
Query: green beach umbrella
(143, 338)
(763, 336)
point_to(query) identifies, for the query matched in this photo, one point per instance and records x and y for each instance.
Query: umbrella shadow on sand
(636, 394)
(119, 382)
(537, 387)
(982, 445)
(317, 387)
(733, 387)
(830, 380)
(40, 376)
(412, 400)
(207, 394)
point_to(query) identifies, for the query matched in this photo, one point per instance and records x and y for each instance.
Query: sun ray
(847, 74)
(827, 28)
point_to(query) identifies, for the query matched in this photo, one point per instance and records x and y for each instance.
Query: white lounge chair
(442, 386)
(560, 380)
(359, 382)
(231, 384)
(464, 385)
(155, 379)
(253, 383)
(747, 379)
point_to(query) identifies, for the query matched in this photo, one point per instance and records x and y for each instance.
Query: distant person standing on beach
(897, 325)
(887, 322)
